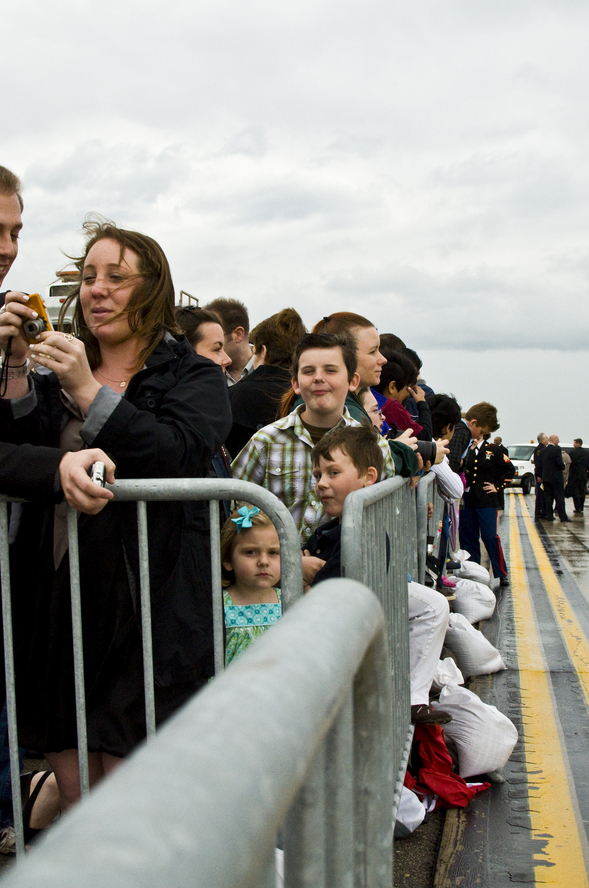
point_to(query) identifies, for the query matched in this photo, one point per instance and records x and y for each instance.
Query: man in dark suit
(540, 506)
(552, 479)
(577, 483)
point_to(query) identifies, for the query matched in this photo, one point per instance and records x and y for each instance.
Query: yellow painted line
(573, 636)
(552, 811)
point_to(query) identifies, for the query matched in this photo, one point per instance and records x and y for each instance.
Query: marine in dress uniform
(484, 464)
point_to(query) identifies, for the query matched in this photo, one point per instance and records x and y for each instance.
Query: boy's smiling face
(322, 382)
(336, 478)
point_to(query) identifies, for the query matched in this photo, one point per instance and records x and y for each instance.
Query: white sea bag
(484, 738)
(409, 815)
(475, 601)
(470, 570)
(474, 653)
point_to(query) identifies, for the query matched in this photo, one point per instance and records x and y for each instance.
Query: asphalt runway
(532, 828)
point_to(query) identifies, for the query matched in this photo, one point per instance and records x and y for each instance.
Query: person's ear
(370, 477)
(237, 334)
(227, 565)
(295, 385)
(390, 389)
(354, 382)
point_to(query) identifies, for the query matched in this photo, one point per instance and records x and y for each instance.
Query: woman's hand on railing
(79, 490)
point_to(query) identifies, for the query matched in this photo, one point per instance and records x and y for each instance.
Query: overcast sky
(424, 164)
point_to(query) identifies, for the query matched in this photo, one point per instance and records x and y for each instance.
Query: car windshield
(520, 451)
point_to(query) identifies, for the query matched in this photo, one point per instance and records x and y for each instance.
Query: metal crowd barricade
(144, 491)
(296, 734)
(376, 525)
(429, 530)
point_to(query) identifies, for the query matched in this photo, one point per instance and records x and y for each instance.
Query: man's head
(554, 439)
(346, 459)
(578, 442)
(11, 205)
(445, 413)
(542, 438)
(498, 440)
(323, 372)
(481, 419)
(236, 327)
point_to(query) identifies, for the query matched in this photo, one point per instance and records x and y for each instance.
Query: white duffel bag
(447, 672)
(474, 654)
(470, 570)
(475, 601)
(410, 814)
(482, 736)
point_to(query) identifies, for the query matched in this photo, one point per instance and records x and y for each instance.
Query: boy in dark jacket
(348, 459)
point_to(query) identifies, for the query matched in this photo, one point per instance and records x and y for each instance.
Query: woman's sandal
(28, 801)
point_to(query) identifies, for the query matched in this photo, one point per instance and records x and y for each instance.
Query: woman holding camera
(126, 383)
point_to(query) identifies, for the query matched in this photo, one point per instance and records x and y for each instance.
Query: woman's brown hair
(278, 334)
(150, 309)
(341, 322)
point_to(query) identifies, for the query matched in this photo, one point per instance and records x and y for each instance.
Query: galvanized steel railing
(427, 492)
(383, 530)
(144, 491)
(296, 733)
(377, 523)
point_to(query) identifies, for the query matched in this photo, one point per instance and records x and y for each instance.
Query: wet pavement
(532, 829)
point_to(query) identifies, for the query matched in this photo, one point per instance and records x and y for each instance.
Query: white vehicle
(521, 455)
(57, 293)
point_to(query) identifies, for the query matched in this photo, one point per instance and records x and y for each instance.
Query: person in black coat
(552, 467)
(255, 400)
(127, 385)
(577, 483)
(540, 504)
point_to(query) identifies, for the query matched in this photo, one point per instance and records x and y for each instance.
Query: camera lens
(34, 327)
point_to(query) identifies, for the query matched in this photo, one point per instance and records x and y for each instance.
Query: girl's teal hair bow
(245, 519)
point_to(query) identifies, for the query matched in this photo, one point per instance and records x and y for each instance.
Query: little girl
(250, 558)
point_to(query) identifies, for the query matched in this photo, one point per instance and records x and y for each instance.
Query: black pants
(554, 491)
(540, 507)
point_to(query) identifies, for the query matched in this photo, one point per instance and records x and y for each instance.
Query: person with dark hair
(391, 342)
(577, 483)
(125, 383)
(236, 327)
(278, 457)
(204, 332)
(255, 403)
(345, 460)
(445, 415)
(397, 381)
(487, 470)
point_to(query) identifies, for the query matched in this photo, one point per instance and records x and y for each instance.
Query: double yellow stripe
(553, 813)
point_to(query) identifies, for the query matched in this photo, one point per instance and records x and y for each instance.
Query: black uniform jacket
(488, 465)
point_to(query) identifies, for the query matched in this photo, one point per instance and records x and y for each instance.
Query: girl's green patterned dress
(246, 622)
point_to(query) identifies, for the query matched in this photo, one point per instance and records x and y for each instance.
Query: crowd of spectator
(153, 390)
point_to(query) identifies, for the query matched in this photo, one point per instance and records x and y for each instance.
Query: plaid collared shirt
(278, 457)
